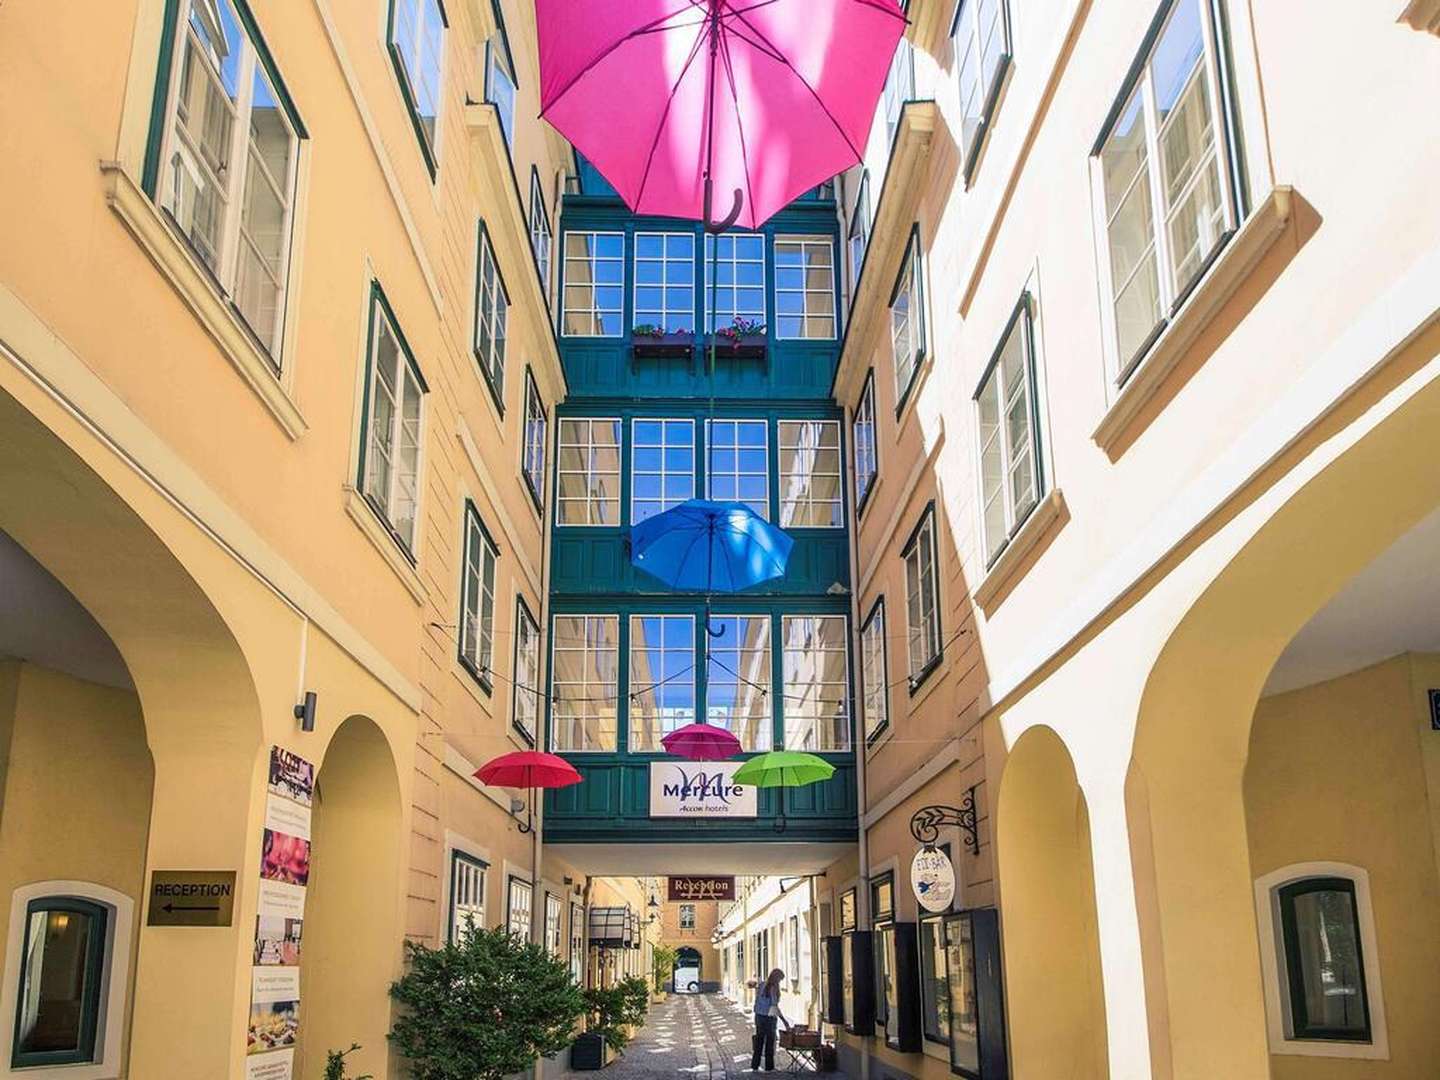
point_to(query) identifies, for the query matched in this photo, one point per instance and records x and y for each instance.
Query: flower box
(673, 344)
(740, 346)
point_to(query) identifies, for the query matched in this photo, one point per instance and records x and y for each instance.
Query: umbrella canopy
(527, 769)
(766, 98)
(710, 547)
(783, 768)
(702, 742)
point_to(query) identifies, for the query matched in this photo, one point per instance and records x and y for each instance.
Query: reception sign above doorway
(700, 888)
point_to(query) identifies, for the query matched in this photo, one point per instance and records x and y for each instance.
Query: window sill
(364, 516)
(916, 683)
(171, 257)
(1005, 572)
(1242, 254)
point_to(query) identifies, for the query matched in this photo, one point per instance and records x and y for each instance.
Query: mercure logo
(701, 786)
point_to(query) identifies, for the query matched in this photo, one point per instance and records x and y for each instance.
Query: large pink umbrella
(763, 98)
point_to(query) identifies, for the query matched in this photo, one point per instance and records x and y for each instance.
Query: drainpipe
(862, 889)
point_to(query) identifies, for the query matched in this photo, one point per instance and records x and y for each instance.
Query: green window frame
(501, 85)
(1324, 959)
(525, 685)
(664, 289)
(858, 235)
(908, 328)
(415, 36)
(584, 683)
(593, 290)
(816, 689)
(738, 274)
(536, 441)
(934, 981)
(981, 35)
(922, 598)
(467, 893)
(864, 437)
(804, 287)
(492, 309)
(874, 663)
(662, 687)
(47, 919)
(477, 599)
(1012, 478)
(882, 920)
(542, 237)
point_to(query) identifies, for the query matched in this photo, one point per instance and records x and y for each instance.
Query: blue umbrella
(710, 547)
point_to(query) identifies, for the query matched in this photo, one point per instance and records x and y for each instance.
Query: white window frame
(665, 260)
(590, 473)
(499, 61)
(577, 942)
(492, 310)
(924, 538)
(734, 262)
(687, 916)
(899, 87)
(477, 628)
(410, 383)
(857, 236)
(866, 450)
(536, 441)
(517, 886)
(965, 34)
(429, 148)
(554, 927)
(525, 684)
(685, 677)
(789, 689)
(1214, 63)
(808, 499)
(110, 1024)
(1273, 970)
(466, 872)
(542, 237)
(805, 243)
(1022, 323)
(667, 423)
(593, 261)
(874, 668)
(255, 62)
(911, 282)
(587, 690)
(737, 474)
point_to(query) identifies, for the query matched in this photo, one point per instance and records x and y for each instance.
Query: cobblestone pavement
(701, 1036)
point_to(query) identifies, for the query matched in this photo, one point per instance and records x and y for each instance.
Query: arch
(1055, 1001)
(349, 942)
(1283, 556)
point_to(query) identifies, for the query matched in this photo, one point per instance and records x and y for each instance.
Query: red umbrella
(702, 742)
(529, 769)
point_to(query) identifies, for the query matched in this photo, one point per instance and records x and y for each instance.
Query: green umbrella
(783, 768)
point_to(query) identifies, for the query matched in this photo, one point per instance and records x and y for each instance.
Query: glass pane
(662, 678)
(585, 657)
(964, 1017)
(1327, 963)
(737, 678)
(58, 983)
(872, 673)
(934, 981)
(817, 690)
(1122, 157)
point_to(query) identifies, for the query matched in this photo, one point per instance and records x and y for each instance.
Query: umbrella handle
(718, 227)
(526, 826)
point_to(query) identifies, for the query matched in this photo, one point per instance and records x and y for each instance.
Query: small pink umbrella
(765, 98)
(701, 742)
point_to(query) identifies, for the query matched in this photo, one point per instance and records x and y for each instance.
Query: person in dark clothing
(767, 1012)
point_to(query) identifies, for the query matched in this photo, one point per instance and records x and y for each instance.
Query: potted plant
(742, 338)
(482, 1008)
(647, 339)
(614, 1014)
(664, 959)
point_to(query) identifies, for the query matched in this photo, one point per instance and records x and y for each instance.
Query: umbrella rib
(770, 45)
(665, 115)
(608, 49)
(739, 127)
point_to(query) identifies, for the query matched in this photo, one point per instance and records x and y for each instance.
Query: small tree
(665, 958)
(615, 1009)
(483, 1008)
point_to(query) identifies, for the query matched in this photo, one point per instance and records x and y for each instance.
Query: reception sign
(700, 888)
(699, 789)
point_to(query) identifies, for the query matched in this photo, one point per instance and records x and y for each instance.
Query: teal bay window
(662, 474)
(665, 280)
(223, 167)
(739, 463)
(584, 683)
(594, 287)
(416, 36)
(804, 287)
(662, 678)
(738, 276)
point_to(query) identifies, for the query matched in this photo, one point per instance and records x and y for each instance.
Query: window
(882, 917)
(585, 655)
(687, 916)
(589, 471)
(804, 287)
(922, 599)
(228, 166)
(817, 682)
(882, 898)
(467, 894)
(662, 455)
(665, 280)
(847, 910)
(964, 1010)
(899, 87)
(863, 435)
(417, 48)
(477, 598)
(492, 305)
(907, 320)
(662, 678)
(737, 678)
(536, 430)
(875, 705)
(594, 284)
(982, 47)
(795, 948)
(518, 907)
(1324, 966)
(540, 236)
(390, 442)
(810, 474)
(554, 932)
(739, 468)
(934, 982)
(577, 943)
(500, 83)
(859, 232)
(739, 278)
(62, 974)
(1011, 478)
(525, 699)
(1164, 178)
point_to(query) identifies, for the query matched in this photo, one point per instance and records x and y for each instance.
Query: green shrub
(335, 1064)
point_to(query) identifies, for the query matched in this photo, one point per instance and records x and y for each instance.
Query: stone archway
(1055, 1001)
(349, 948)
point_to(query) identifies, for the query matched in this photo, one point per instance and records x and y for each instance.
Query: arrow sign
(191, 898)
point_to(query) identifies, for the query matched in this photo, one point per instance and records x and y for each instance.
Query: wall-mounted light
(305, 712)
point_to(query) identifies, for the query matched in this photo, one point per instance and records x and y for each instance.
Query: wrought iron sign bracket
(926, 822)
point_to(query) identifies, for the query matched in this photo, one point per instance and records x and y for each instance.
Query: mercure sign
(694, 789)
